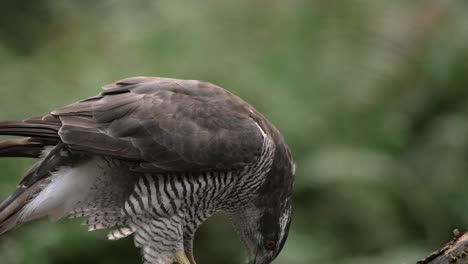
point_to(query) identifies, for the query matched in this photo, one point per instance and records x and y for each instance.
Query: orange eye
(270, 244)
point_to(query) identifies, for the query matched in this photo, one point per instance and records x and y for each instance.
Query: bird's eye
(270, 244)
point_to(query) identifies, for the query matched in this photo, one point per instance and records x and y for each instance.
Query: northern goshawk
(155, 157)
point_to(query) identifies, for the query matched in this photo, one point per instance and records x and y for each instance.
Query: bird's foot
(182, 258)
(192, 260)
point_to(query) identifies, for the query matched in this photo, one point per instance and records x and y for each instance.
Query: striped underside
(165, 210)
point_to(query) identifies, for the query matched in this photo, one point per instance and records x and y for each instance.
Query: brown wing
(164, 124)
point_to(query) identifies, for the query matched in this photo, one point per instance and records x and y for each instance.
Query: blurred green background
(372, 97)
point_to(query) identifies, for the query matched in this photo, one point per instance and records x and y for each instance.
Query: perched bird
(155, 157)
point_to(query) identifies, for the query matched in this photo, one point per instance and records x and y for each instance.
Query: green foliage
(370, 95)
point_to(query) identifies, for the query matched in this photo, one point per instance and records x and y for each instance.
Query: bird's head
(263, 224)
(263, 231)
(265, 234)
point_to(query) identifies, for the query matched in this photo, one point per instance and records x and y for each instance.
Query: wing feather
(165, 124)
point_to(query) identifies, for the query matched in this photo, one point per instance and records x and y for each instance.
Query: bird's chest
(170, 207)
(192, 196)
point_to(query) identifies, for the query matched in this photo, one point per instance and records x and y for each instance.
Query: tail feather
(23, 147)
(32, 183)
(39, 132)
(16, 197)
(30, 128)
(91, 188)
(10, 214)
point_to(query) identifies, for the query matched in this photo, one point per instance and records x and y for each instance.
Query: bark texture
(454, 252)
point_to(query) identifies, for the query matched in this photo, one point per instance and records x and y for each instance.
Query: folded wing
(164, 124)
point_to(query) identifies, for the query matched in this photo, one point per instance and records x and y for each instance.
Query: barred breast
(164, 210)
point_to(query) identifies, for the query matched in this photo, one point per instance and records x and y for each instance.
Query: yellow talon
(181, 257)
(192, 260)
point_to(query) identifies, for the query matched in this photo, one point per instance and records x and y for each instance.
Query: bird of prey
(155, 157)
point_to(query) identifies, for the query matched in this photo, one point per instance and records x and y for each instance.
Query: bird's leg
(181, 257)
(192, 260)
(188, 247)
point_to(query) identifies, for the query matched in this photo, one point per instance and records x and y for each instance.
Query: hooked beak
(254, 261)
(259, 259)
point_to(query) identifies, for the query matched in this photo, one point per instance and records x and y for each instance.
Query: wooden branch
(454, 252)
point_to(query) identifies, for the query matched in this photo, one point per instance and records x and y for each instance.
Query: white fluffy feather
(68, 188)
